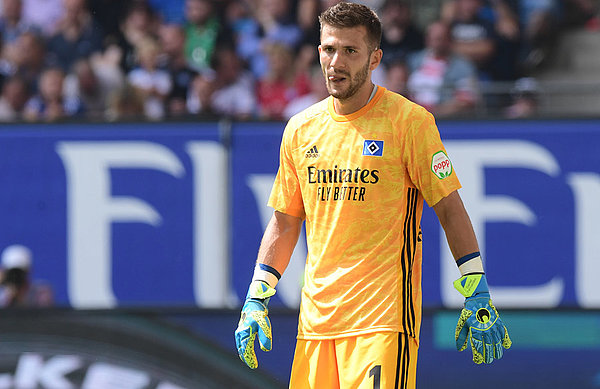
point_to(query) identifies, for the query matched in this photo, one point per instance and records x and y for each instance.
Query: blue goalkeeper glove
(253, 321)
(479, 323)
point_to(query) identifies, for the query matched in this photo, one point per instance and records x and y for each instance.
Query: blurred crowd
(257, 59)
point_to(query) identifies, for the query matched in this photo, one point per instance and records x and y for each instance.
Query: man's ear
(376, 57)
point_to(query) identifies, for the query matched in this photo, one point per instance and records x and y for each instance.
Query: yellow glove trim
(470, 284)
(249, 355)
(260, 290)
(462, 320)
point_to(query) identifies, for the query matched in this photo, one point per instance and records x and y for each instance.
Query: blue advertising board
(173, 213)
(111, 212)
(531, 189)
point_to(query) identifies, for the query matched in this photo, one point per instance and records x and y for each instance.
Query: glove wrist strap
(266, 273)
(470, 264)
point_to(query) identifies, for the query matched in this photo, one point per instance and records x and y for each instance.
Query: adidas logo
(312, 153)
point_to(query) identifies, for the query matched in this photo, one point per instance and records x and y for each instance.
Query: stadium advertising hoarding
(114, 349)
(172, 214)
(111, 212)
(531, 188)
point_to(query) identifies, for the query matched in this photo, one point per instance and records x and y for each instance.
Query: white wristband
(265, 275)
(473, 265)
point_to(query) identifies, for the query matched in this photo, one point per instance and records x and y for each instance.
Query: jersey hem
(446, 193)
(289, 211)
(351, 333)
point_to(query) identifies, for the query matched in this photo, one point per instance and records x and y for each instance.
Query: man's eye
(329, 49)
(351, 51)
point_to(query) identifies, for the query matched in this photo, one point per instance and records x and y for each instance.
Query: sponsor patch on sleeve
(441, 165)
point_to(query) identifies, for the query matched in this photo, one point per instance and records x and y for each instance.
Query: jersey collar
(355, 115)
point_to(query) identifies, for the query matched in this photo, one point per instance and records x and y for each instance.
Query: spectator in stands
(472, 36)
(508, 39)
(272, 22)
(318, 92)
(43, 14)
(13, 98)
(109, 14)
(170, 12)
(525, 99)
(443, 82)
(17, 289)
(11, 22)
(282, 84)
(238, 17)
(25, 57)
(540, 24)
(234, 86)
(125, 103)
(400, 36)
(308, 12)
(106, 66)
(581, 13)
(138, 24)
(202, 32)
(78, 35)
(83, 83)
(199, 101)
(50, 103)
(154, 83)
(501, 19)
(396, 77)
(172, 40)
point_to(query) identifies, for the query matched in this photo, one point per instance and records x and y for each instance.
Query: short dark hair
(348, 15)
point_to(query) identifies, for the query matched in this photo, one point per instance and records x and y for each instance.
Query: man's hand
(253, 321)
(479, 323)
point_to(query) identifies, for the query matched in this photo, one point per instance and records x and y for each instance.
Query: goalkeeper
(357, 168)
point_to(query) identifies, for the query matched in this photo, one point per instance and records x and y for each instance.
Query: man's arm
(278, 242)
(479, 324)
(479, 51)
(457, 225)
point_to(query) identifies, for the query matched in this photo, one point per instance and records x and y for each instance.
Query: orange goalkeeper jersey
(359, 181)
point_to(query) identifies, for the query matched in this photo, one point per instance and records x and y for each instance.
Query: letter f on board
(91, 210)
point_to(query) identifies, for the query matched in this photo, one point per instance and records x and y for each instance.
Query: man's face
(51, 84)
(12, 9)
(438, 39)
(346, 60)
(467, 9)
(198, 11)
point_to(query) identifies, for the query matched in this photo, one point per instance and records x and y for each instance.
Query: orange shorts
(383, 360)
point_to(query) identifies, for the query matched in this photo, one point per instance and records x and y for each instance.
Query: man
(400, 35)
(17, 289)
(357, 167)
(440, 80)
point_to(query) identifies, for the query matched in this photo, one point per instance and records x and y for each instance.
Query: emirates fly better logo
(441, 165)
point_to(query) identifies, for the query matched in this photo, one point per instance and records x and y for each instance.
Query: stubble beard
(356, 83)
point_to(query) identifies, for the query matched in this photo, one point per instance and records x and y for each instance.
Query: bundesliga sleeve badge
(441, 165)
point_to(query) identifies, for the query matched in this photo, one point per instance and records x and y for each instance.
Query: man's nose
(336, 61)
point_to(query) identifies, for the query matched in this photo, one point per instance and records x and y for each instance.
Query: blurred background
(140, 139)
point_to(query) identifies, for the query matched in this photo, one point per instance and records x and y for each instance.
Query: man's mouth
(336, 78)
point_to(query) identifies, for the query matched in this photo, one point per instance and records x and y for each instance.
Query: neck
(356, 101)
